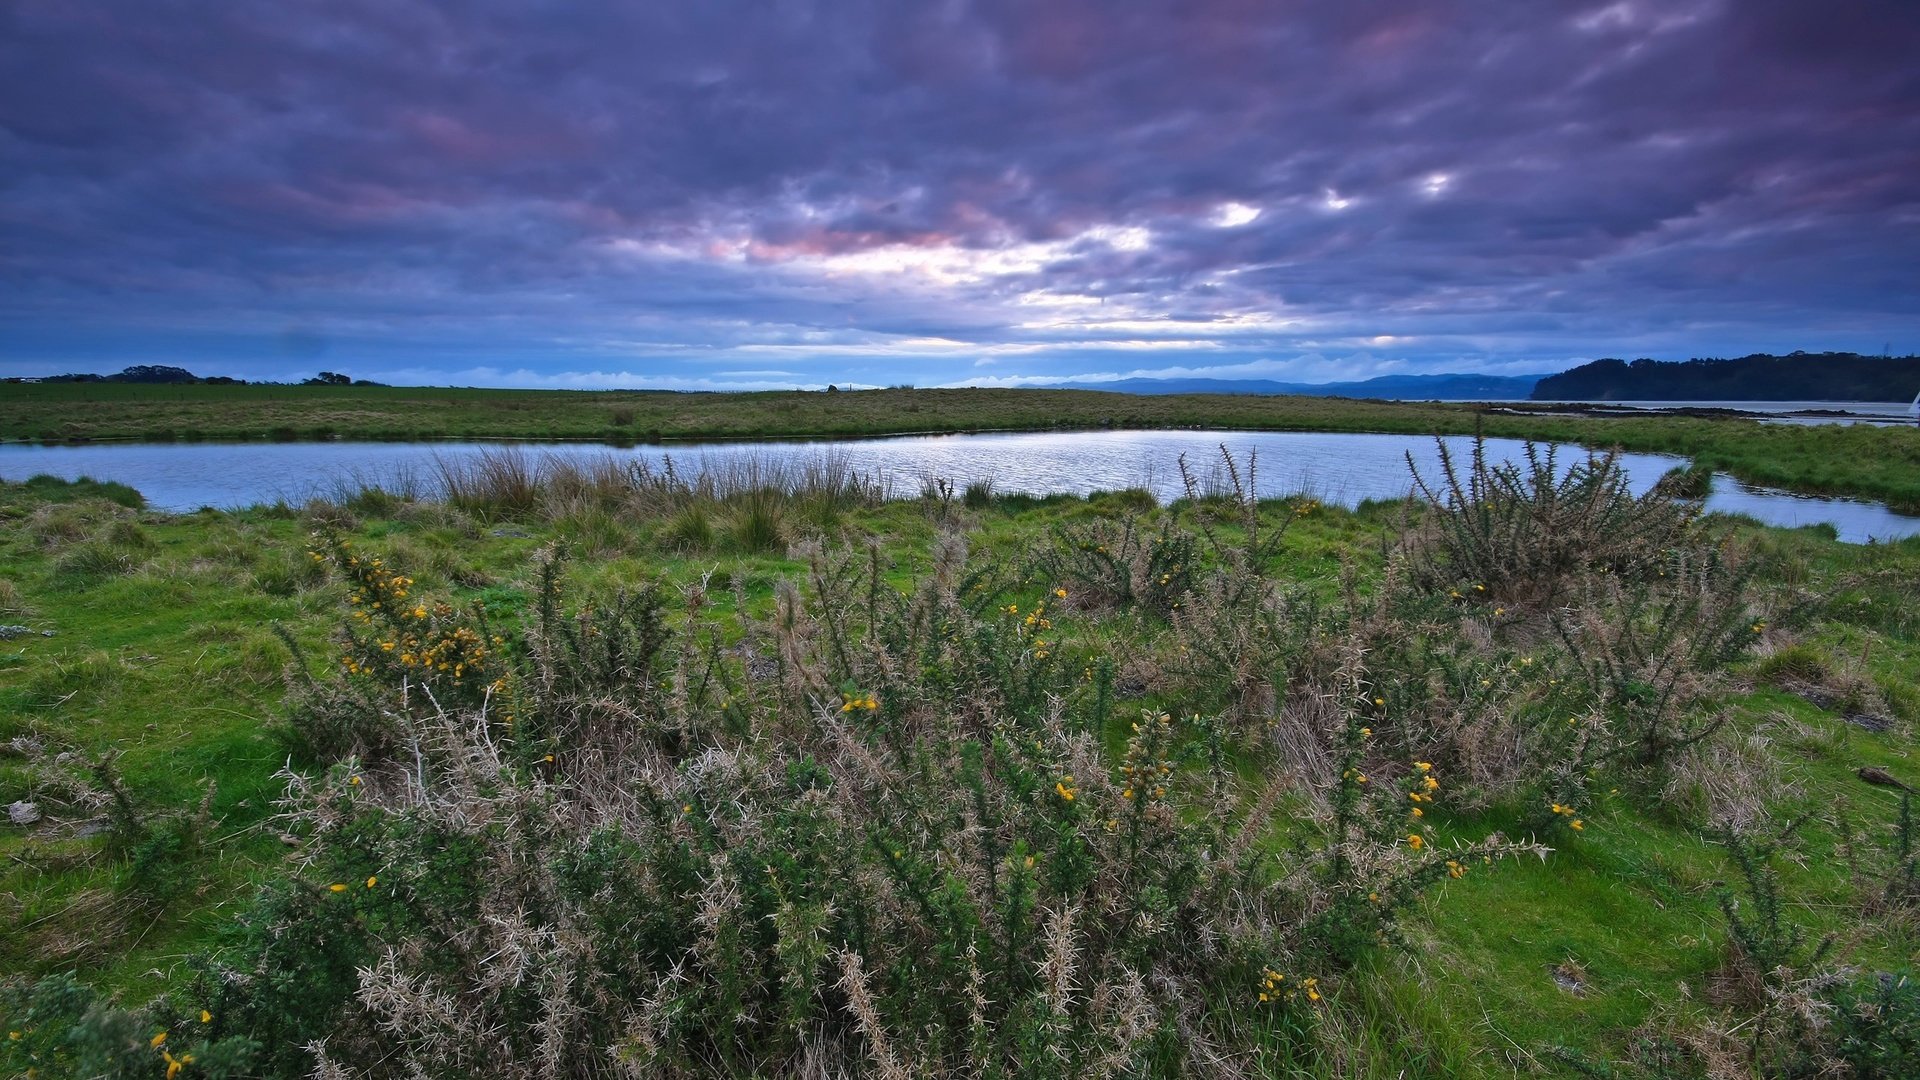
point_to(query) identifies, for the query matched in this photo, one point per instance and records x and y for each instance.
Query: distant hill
(160, 374)
(1800, 376)
(139, 373)
(1391, 387)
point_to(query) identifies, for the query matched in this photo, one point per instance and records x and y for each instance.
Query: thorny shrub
(900, 849)
(1521, 534)
(1541, 626)
(403, 657)
(1886, 867)
(60, 1027)
(1123, 564)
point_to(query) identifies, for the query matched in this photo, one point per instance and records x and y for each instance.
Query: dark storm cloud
(712, 194)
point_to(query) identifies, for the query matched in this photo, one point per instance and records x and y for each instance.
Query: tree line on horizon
(1798, 376)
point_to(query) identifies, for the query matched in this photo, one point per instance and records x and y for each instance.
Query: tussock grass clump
(511, 484)
(92, 560)
(52, 489)
(286, 573)
(690, 529)
(757, 523)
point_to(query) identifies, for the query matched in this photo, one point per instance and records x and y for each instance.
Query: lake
(1336, 468)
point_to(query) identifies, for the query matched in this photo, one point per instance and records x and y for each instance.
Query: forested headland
(1798, 376)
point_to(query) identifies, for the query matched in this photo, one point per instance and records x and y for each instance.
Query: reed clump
(511, 483)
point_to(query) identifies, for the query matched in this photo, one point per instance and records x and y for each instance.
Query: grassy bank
(1878, 463)
(823, 763)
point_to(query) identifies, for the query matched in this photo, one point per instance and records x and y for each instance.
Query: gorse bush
(1764, 944)
(1876, 1026)
(403, 657)
(60, 1027)
(594, 678)
(1109, 564)
(1518, 535)
(1646, 650)
(899, 849)
(1886, 866)
(1381, 856)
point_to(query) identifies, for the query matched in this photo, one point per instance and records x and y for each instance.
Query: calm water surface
(1337, 468)
(1767, 412)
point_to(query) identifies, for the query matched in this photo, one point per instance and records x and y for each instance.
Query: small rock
(1570, 977)
(23, 812)
(1873, 722)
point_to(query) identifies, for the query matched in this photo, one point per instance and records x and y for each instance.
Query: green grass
(1864, 460)
(165, 654)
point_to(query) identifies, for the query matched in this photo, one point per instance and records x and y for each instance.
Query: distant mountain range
(1392, 387)
(1800, 376)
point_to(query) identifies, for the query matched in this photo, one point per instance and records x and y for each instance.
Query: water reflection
(1337, 468)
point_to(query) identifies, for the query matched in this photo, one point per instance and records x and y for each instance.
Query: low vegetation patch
(591, 774)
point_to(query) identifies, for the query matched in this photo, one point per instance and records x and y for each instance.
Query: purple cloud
(868, 192)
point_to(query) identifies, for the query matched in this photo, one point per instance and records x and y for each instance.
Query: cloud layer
(765, 194)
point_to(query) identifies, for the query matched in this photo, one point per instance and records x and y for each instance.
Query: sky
(711, 195)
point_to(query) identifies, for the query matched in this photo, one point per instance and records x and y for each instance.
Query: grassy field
(1873, 462)
(738, 737)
